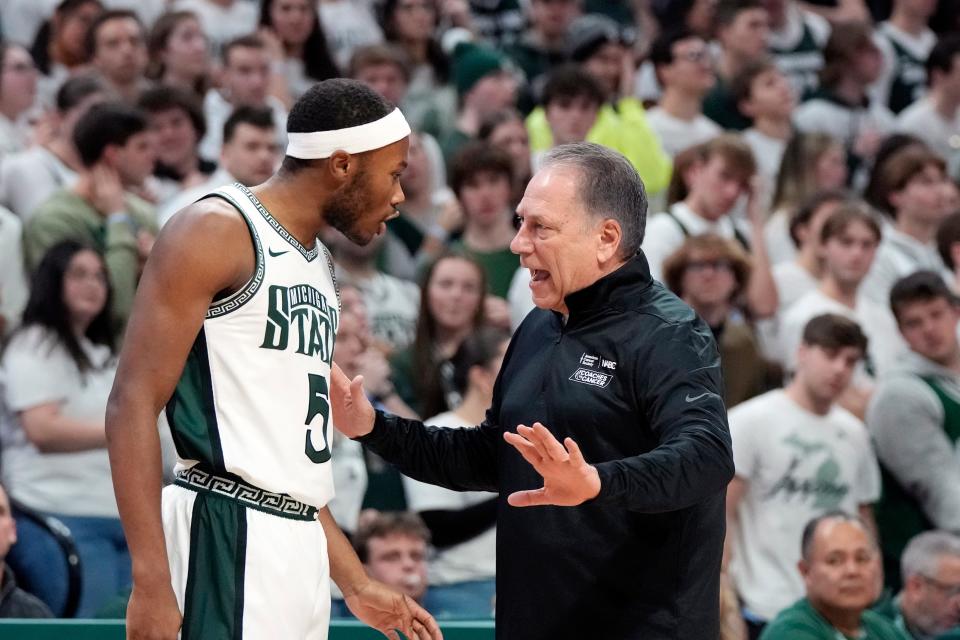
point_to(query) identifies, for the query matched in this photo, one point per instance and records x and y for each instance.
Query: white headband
(364, 137)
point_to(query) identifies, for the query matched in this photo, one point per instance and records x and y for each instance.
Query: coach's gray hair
(924, 551)
(609, 187)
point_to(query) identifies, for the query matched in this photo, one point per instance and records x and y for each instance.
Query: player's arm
(185, 271)
(371, 601)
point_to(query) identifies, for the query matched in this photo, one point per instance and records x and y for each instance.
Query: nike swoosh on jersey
(695, 398)
(276, 254)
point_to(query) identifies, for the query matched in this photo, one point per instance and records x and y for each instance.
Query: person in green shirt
(99, 209)
(840, 565)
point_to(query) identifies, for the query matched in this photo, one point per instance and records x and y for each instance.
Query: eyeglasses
(20, 67)
(695, 56)
(949, 590)
(720, 264)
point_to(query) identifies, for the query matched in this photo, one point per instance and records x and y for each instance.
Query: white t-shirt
(222, 24)
(474, 559)
(37, 370)
(393, 306)
(13, 279)
(219, 178)
(519, 297)
(793, 282)
(776, 233)
(348, 24)
(768, 153)
(28, 178)
(216, 109)
(676, 134)
(797, 465)
(898, 256)
(924, 121)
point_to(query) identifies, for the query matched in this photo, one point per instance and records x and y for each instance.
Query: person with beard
(233, 331)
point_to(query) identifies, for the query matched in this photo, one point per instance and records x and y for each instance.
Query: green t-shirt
(802, 622)
(499, 266)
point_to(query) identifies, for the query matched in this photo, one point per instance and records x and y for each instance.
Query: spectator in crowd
(348, 24)
(684, 68)
(571, 100)
(222, 20)
(13, 281)
(914, 418)
(796, 41)
(116, 47)
(393, 549)
(842, 107)
(710, 274)
(384, 68)
(179, 52)
(249, 156)
(175, 118)
(298, 43)
(99, 209)
(841, 575)
(246, 83)
(59, 367)
(18, 91)
(720, 174)
(815, 457)
(542, 45)
(485, 85)
(500, 22)
(849, 237)
(905, 41)
(505, 130)
(935, 118)
(889, 146)
(762, 93)
(743, 27)
(812, 162)
(695, 16)
(451, 308)
(948, 245)
(481, 177)
(928, 605)
(28, 178)
(14, 602)
(60, 46)
(463, 524)
(913, 188)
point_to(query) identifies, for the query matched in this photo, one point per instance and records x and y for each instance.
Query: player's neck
(284, 198)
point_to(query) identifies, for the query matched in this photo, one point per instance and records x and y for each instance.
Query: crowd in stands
(801, 160)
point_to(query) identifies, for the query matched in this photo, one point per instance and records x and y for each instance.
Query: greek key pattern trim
(308, 254)
(279, 504)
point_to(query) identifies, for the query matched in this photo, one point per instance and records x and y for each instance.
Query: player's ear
(341, 165)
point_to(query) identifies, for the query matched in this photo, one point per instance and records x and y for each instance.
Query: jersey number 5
(319, 406)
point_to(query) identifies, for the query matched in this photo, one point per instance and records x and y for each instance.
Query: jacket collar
(611, 290)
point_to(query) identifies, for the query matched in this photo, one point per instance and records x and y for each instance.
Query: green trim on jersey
(213, 599)
(191, 411)
(242, 296)
(308, 254)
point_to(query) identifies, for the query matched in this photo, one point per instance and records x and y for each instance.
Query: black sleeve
(455, 526)
(678, 385)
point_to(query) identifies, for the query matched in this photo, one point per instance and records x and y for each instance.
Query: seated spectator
(684, 68)
(841, 575)
(60, 46)
(506, 130)
(30, 177)
(249, 156)
(179, 52)
(59, 368)
(913, 417)
(796, 41)
(347, 25)
(710, 274)
(245, 83)
(99, 210)
(763, 94)
(571, 100)
(451, 308)
(812, 162)
(463, 523)
(905, 41)
(722, 171)
(935, 118)
(928, 605)
(14, 602)
(222, 20)
(117, 49)
(13, 281)
(18, 92)
(813, 458)
(913, 188)
(743, 27)
(542, 45)
(175, 118)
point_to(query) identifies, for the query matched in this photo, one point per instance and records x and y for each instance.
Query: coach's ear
(609, 236)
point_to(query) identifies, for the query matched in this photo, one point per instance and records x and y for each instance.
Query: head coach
(607, 437)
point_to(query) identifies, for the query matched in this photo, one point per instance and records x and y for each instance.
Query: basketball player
(233, 331)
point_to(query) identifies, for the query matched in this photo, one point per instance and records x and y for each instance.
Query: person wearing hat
(599, 45)
(485, 84)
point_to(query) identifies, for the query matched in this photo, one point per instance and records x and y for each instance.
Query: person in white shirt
(222, 20)
(798, 455)
(913, 188)
(13, 279)
(18, 92)
(763, 93)
(721, 173)
(348, 24)
(905, 41)
(684, 67)
(797, 37)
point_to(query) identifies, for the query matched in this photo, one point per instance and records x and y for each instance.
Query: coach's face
(564, 247)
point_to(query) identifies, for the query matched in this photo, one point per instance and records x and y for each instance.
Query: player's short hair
(832, 332)
(333, 104)
(921, 286)
(948, 234)
(847, 214)
(105, 124)
(90, 39)
(167, 98)
(476, 158)
(810, 530)
(259, 117)
(383, 524)
(570, 81)
(810, 206)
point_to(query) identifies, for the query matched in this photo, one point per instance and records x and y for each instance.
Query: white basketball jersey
(253, 399)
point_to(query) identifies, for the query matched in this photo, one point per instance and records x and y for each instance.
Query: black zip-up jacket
(634, 378)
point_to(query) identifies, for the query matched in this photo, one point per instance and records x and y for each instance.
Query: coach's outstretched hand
(567, 478)
(352, 412)
(388, 612)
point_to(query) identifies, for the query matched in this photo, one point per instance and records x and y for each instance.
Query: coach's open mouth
(538, 275)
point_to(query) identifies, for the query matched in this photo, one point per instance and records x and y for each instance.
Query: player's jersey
(253, 398)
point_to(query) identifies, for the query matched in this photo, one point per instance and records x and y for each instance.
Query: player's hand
(352, 412)
(153, 613)
(389, 612)
(567, 478)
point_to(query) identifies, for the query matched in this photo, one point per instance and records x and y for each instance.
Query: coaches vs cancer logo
(593, 378)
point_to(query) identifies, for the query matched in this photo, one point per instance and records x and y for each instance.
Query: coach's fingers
(531, 436)
(576, 456)
(553, 448)
(526, 449)
(531, 498)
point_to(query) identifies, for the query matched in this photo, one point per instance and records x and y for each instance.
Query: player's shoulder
(210, 218)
